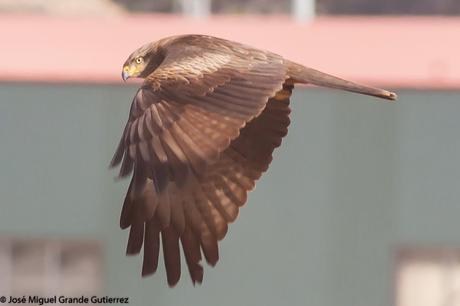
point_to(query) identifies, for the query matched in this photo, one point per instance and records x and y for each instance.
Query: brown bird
(201, 130)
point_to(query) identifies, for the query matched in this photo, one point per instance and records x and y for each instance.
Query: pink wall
(414, 52)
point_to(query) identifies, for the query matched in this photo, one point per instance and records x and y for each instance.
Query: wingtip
(197, 276)
(146, 272)
(385, 94)
(133, 248)
(197, 282)
(392, 96)
(131, 252)
(172, 283)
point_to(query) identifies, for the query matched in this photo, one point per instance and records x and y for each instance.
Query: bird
(201, 131)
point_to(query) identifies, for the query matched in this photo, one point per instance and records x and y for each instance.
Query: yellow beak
(127, 72)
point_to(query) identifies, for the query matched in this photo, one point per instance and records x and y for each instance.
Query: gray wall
(355, 178)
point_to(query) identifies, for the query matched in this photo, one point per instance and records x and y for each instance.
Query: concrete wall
(355, 178)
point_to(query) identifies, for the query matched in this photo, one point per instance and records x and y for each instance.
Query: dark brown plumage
(201, 130)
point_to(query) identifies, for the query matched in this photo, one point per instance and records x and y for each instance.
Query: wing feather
(171, 253)
(136, 236)
(192, 252)
(164, 210)
(151, 247)
(209, 245)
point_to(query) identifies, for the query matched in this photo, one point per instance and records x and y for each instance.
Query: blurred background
(360, 205)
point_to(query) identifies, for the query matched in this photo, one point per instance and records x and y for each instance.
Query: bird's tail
(305, 75)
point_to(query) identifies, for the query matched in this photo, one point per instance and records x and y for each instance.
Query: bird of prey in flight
(201, 130)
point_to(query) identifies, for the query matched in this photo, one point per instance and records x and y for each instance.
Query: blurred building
(239, 7)
(360, 205)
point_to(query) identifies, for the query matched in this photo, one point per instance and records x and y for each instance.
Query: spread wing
(201, 130)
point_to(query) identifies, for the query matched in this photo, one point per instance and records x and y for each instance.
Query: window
(49, 267)
(428, 277)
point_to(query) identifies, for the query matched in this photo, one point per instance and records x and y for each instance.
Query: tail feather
(305, 75)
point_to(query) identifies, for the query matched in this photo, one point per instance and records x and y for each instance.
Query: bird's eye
(139, 60)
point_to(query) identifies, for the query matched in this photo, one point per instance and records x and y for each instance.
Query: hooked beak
(124, 75)
(128, 71)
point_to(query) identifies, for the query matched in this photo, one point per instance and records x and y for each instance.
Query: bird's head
(141, 62)
(133, 67)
